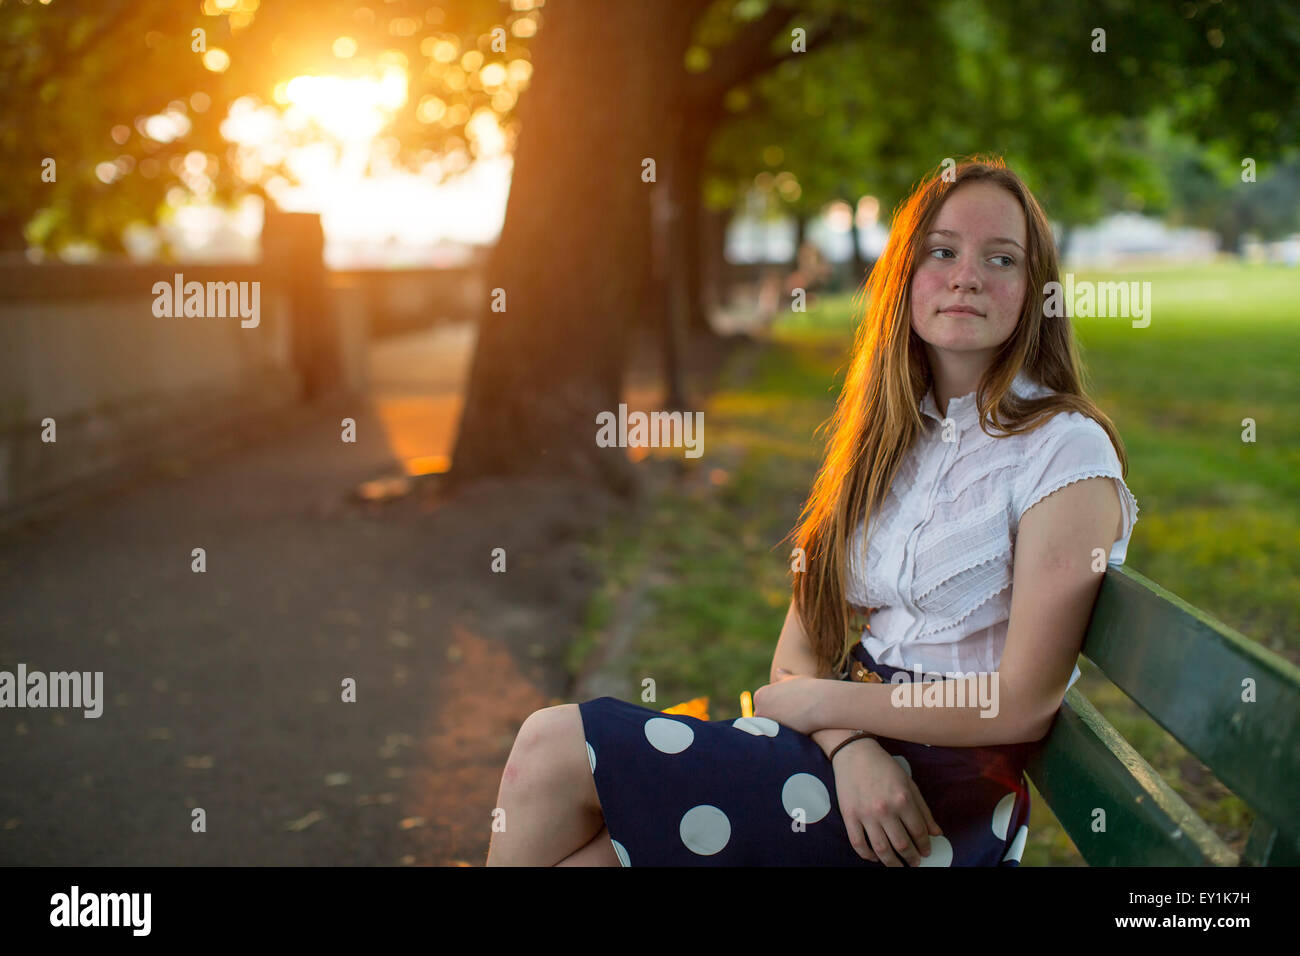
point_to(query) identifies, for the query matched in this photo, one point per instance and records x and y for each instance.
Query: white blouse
(940, 549)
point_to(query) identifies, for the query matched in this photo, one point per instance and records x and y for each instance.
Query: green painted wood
(1186, 670)
(1266, 846)
(1084, 764)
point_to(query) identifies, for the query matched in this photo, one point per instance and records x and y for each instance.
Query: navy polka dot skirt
(679, 791)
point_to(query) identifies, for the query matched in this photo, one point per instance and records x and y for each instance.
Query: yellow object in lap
(697, 707)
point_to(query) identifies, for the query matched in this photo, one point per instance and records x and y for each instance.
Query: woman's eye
(940, 249)
(1010, 261)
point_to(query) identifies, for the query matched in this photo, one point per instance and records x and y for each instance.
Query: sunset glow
(325, 132)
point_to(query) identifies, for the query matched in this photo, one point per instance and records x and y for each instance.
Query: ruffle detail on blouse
(957, 538)
(966, 562)
(949, 496)
(874, 596)
(979, 583)
(882, 528)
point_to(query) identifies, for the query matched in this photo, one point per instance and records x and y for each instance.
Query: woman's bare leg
(599, 852)
(549, 799)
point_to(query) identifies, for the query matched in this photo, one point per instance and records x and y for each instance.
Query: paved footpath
(222, 690)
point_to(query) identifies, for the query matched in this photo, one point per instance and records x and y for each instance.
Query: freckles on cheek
(924, 288)
(1010, 293)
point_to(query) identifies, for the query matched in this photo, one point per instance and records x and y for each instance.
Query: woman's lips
(961, 310)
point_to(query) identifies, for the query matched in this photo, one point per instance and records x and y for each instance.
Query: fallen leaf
(303, 823)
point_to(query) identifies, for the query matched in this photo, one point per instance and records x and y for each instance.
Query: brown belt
(860, 672)
(858, 622)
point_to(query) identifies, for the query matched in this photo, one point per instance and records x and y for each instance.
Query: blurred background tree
(636, 121)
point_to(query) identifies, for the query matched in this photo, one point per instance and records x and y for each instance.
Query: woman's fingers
(881, 843)
(858, 837)
(917, 831)
(901, 840)
(931, 825)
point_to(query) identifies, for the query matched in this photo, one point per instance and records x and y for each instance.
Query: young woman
(993, 490)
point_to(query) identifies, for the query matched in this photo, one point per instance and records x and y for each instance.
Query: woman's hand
(788, 700)
(883, 809)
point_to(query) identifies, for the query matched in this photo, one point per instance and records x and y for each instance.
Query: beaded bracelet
(848, 740)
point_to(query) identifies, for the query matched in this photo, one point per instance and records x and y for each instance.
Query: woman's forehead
(981, 207)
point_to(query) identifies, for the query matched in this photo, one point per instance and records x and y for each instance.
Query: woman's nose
(965, 277)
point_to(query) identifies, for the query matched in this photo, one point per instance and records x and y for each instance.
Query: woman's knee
(550, 736)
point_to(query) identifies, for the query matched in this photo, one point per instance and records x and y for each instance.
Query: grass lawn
(1219, 520)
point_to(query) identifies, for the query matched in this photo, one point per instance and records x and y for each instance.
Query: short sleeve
(1080, 450)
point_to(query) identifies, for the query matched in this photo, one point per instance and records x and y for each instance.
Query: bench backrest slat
(1266, 845)
(1084, 765)
(1187, 670)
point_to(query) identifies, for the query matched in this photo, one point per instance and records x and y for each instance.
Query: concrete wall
(80, 344)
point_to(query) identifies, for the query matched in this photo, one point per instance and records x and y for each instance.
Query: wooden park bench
(1189, 672)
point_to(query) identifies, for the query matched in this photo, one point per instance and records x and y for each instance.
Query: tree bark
(11, 233)
(714, 276)
(859, 263)
(1228, 225)
(692, 228)
(571, 262)
(676, 260)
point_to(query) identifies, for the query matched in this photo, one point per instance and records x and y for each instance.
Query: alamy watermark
(102, 909)
(213, 300)
(1099, 299)
(655, 430)
(56, 689)
(934, 690)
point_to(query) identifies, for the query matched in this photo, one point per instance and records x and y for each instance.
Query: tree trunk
(1229, 228)
(692, 229)
(570, 262)
(714, 277)
(859, 263)
(12, 238)
(1067, 235)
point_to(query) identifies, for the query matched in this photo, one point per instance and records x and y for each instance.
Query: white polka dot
(668, 736)
(940, 853)
(1018, 844)
(758, 726)
(903, 763)
(591, 757)
(805, 791)
(620, 852)
(705, 829)
(1002, 815)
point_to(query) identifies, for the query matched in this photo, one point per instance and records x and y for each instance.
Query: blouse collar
(963, 409)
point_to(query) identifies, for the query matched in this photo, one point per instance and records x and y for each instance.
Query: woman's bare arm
(795, 654)
(1055, 582)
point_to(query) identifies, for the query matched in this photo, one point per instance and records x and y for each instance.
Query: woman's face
(969, 285)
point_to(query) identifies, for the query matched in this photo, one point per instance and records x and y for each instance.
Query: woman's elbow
(1036, 726)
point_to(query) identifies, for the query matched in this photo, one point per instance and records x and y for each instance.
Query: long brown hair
(877, 416)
